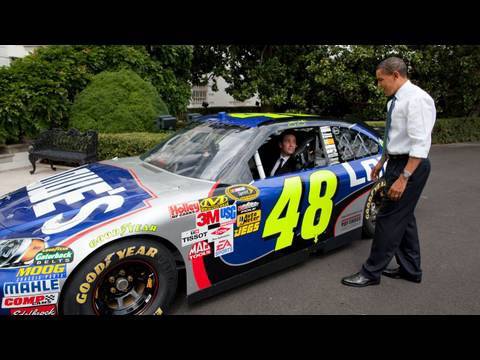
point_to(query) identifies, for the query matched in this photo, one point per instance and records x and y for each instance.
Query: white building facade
(10, 52)
(220, 98)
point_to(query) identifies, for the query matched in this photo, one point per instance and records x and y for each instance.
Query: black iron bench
(69, 146)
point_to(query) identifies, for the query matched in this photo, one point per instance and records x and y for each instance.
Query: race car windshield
(201, 151)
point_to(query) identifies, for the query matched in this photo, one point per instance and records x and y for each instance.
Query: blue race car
(111, 237)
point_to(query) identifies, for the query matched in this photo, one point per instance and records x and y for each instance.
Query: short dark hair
(285, 133)
(393, 63)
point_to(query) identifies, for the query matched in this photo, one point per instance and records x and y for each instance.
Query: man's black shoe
(399, 274)
(359, 280)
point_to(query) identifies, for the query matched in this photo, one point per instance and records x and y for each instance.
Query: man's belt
(398, 156)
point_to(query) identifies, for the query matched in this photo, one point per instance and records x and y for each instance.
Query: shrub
(116, 102)
(128, 144)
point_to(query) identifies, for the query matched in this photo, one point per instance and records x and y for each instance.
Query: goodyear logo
(213, 203)
(242, 192)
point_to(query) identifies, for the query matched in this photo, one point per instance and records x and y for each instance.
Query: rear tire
(372, 206)
(128, 277)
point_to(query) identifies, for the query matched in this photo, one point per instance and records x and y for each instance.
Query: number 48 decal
(323, 185)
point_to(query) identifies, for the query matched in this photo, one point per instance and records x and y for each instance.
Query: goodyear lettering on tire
(91, 276)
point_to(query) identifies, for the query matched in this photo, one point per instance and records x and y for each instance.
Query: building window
(199, 94)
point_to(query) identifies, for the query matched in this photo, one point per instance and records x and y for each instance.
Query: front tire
(128, 277)
(372, 205)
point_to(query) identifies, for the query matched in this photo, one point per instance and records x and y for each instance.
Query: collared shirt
(413, 117)
(277, 164)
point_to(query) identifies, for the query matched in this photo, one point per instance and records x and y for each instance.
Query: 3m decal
(323, 185)
(222, 215)
(242, 192)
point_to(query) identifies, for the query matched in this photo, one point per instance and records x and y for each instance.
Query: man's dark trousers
(396, 228)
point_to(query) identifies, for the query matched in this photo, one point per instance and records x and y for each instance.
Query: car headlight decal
(18, 252)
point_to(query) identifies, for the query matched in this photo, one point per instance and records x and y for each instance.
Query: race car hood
(66, 203)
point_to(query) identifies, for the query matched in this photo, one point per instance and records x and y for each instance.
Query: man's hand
(375, 171)
(397, 189)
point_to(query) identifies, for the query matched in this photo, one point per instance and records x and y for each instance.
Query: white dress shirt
(277, 164)
(413, 117)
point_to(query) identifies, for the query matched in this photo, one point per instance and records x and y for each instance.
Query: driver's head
(287, 142)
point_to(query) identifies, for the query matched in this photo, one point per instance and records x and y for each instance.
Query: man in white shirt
(411, 116)
(285, 163)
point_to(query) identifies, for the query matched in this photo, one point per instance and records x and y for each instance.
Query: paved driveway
(448, 217)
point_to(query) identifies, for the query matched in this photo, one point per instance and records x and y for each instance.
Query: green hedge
(128, 144)
(447, 131)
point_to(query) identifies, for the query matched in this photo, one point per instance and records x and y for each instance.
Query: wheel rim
(126, 289)
(377, 199)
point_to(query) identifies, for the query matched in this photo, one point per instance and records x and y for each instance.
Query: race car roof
(252, 119)
(258, 119)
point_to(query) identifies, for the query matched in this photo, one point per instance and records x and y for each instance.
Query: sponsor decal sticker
(212, 203)
(222, 215)
(220, 233)
(29, 301)
(54, 255)
(187, 208)
(351, 219)
(199, 249)
(192, 236)
(242, 192)
(41, 272)
(248, 222)
(223, 247)
(31, 287)
(38, 310)
(249, 206)
(128, 228)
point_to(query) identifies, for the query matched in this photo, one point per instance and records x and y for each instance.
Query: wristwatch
(406, 174)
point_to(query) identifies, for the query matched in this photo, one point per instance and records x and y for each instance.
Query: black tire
(372, 204)
(144, 268)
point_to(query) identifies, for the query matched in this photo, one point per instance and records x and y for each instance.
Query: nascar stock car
(112, 237)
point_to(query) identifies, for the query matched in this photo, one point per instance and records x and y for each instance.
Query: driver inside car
(286, 162)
